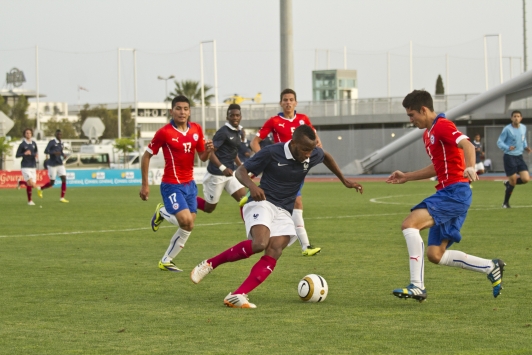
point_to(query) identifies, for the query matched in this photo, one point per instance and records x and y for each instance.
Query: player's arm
(209, 147)
(255, 144)
(525, 144)
(237, 161)
(20, 151)
(501, 142)
(399, 177)
(225, 170)
(331, 164)
(469, 154)
(144, 169)
(256, 192)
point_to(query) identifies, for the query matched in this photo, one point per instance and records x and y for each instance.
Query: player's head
(303, 143)
(28, 133)
(477, 137)
(180, 109)
(58, 134)
(288, 101)
(420, 108)
(516, 118)
(234, 115)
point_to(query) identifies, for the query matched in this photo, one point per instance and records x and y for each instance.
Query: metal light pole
(166, 87)
(287, 45)
(486, 58)
(119, 91)
(215, 84)
(37, 118)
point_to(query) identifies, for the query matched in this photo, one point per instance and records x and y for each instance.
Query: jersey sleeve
(156, 142)
(47, 149)
(308, 123)
(36, 149)
(219, 138)
(20, 150)
(257, 163)
(448, 133)
(200, 146)
(266, 129)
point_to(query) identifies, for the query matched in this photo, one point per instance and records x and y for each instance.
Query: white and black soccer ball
(312, 288)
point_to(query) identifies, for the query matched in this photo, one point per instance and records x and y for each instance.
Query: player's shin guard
(169, 217)
(242, 250)
(176, 244)
(460, 259)
(416, 251)
(297, 217)
(259, 272)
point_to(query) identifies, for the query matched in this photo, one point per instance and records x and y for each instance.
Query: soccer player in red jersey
(179, 140)
(453, 161)
(282, 127)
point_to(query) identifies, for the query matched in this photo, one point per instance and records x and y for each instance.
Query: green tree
(109, 119)
(125, 145)
(192, 90)
(68, 129)
(19, 116)
(440, 90)
(4, 107)
(5, 150)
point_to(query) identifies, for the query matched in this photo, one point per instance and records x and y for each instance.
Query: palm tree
(192, 90)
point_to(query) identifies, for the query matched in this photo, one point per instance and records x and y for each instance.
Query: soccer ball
(312, 288)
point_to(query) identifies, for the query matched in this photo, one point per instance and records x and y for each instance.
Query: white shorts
(54, 171)
(214, 185)
(479, 166)
(278, 220)
(29, 174)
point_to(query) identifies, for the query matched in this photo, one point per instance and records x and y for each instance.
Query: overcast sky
(78, 41)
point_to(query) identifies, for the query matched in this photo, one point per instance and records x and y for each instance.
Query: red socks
(48, 184)
(240, 251)
(201, 203)
(28, 192)
(259, 272)
(63, 189)
(22, 183)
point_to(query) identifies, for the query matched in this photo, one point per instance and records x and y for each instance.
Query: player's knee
(209, 208)
(434, 256)
(52, 182)
(525, 179)
(259, 245)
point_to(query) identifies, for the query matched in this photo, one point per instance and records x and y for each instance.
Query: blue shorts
(177, 197)
(300, 188)
(448, 207)
(513, 164)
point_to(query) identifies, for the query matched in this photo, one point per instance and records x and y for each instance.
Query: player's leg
(213, 186)
(510, 168)
(52, 174)
(61, 171)
(27, 175)
(302, 236)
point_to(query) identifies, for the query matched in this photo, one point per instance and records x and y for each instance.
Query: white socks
(462, 260)
(297, 217)
(169, 217)
(176, 244)
(416, 252)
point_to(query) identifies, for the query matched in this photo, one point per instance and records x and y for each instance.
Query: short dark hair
(233, 107)
(180, 98)
(57, 131)
(516, 111)
(27, 129)
(288, 91)
(304, 131)
(418, 98)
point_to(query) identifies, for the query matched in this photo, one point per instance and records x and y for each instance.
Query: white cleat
(31, 203)
(238, 301)
(200, 271)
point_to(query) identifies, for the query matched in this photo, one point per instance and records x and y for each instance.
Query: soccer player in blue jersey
(223, 163)
(267, 213)
(27, 150)
(55, 164)
(512, 142)
(453, 161)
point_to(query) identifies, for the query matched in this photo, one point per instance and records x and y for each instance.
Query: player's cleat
(64, 200)
(238, 301)
(243, 200)
(39, 192)
(310, 251)
(169, 266)
(495, 276)
(411, 291)
(506, 205)
(200, 271)
(157, 219)
(31, 203)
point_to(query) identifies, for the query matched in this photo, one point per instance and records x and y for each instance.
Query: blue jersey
(282, 175)
(28, 161)
(226, 141)
(511, 136)
(53, 147)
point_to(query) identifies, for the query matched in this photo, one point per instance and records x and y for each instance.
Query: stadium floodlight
(215, 84)
(135, 90)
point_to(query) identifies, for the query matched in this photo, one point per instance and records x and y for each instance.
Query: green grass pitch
(82, 278)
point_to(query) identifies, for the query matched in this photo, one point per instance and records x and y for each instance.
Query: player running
(267, 214)
(55, 150)
(222, 165)
(446, 210)
(179, 140)
(282, 126)
(27, 150)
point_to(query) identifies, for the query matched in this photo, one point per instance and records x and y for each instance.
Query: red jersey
(179, 149)
(283, 128)
(441, 144)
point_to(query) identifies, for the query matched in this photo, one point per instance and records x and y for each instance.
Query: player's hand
(257, 193)
(351, 184)
(512, 147)
(27, 152)
(528, 149)
(471, 174)
(228, 172)
(397, 177)
(144, 192)
(209, 146)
